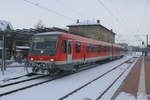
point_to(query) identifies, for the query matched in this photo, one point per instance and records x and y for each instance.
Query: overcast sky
(130, 19)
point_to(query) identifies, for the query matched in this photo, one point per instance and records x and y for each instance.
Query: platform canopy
(26, 34)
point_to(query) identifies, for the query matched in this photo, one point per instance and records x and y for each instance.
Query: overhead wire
(49, 10)
(123, 19)
(140, 24)
(117, 19)
(71, 9)
(109, 11)
(139, 35)
(112, 14)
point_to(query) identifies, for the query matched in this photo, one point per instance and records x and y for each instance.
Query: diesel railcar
(56, 51)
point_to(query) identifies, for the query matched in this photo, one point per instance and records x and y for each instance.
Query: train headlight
(31, 59)
(51, 60)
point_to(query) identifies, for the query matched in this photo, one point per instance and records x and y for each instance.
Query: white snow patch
(109, 94)
(11, 73)
(127, 96)
(16, 64)
(86, 22)
(98, 87)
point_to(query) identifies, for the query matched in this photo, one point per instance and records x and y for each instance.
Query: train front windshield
(44, 45)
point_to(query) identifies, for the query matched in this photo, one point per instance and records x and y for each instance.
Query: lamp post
(143, 48)
(147, 44)
(3, 54)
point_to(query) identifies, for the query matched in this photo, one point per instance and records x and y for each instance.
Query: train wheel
(54, 72)
(75, 68)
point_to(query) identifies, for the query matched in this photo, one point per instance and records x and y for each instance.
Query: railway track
(21, 81)
(48, 79)
(18, 77)
(99, 97)
(14, 78)
(97, 78)
(30, 85)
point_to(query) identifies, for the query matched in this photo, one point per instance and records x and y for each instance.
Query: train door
(69, 51)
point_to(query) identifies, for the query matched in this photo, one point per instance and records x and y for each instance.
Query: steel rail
(21, 81)
(32, 85)
(74, 91)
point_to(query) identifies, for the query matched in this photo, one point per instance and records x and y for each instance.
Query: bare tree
(39, 25)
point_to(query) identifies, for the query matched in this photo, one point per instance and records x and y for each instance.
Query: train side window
(87, 47)
(96, 48)
(102, 49)
(99, 48)
(78, 46)
(105, 48)
(90, 48)
(64, 46)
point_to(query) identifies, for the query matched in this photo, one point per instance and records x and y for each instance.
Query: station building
(93, 30)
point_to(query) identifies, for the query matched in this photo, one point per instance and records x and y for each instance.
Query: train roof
(49, 33)
(119, 46)
(84, 39)
(80, 38)
(22, 47)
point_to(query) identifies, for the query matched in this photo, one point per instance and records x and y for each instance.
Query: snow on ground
(9, 88)
(127, 96)
(55, 89)
(93, 90)
(12, 71)
(114, 88)
(16, 64)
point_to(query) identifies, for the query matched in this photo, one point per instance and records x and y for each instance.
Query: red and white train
(55, 51)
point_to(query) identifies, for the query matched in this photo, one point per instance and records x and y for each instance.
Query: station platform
(138, 80)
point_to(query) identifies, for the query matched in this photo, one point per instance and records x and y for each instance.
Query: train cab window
(78, 46)
(64, 46)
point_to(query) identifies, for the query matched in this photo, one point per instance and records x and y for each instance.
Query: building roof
(90, 23)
